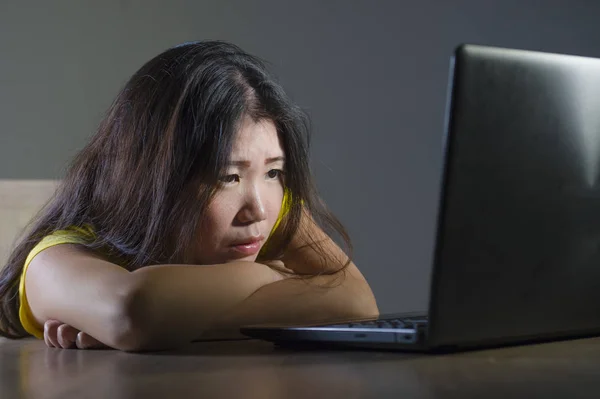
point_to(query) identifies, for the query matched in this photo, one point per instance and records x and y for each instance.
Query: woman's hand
(60, 335)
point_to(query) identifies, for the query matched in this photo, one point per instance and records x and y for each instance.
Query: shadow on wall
(20, 200)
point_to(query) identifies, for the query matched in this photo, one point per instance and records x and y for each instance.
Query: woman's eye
(275, 173)
(230, 179)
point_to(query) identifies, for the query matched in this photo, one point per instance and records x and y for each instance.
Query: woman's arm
(160, 307)
(68, 283)
(156, 307)
(336, 295)
(294, 301)
(175, 304)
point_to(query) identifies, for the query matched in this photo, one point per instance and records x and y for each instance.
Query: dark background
(371, 74)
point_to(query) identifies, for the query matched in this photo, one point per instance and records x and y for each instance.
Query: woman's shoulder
(69, 235)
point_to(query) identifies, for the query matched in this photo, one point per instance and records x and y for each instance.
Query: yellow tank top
(78, 235)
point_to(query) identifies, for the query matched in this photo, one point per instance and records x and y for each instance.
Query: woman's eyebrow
(244, 163)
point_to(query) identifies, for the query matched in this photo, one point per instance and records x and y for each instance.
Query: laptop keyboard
(404, 322)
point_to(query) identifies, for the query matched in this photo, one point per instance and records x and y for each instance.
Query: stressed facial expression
(245, 208)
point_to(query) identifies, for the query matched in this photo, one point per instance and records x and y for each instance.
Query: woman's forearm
(342, 296)
(173, 304)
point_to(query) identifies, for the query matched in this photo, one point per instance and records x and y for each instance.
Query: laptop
(517, 250)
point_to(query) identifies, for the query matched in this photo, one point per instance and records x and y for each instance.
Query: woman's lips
(248, 247)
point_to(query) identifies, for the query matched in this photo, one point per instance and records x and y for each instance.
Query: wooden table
(256, 369)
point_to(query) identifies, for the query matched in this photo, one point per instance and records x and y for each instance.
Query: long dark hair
(144, 180)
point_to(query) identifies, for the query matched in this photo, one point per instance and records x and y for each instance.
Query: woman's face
(239, 219)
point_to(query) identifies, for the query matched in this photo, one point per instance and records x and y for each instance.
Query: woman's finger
(85, 341)
(46, 340)
(50, 328)
(66, 336)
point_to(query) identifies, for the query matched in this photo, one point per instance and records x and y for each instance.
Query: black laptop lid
(518, 246)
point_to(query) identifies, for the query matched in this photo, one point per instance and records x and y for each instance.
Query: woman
(190, 212)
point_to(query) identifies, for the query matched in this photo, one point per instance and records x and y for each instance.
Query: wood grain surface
(256, 369)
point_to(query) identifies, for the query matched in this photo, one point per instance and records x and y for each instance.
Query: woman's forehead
(256, 141)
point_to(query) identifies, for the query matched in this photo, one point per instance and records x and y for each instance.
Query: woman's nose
(254, 209)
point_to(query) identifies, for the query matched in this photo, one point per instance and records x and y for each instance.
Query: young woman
(191, 212)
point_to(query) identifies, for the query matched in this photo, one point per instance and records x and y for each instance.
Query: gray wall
(372, 75)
